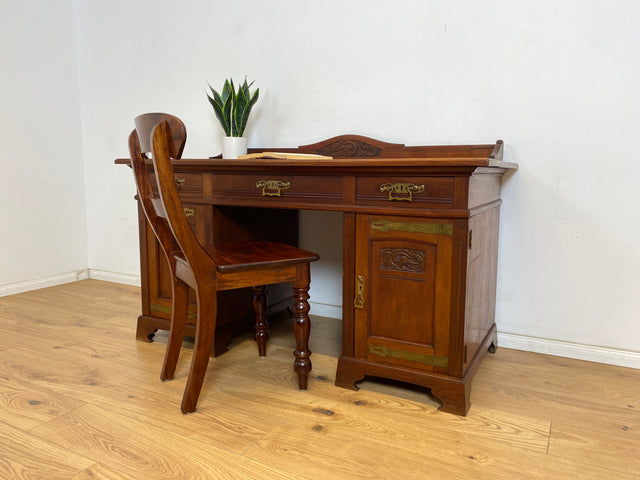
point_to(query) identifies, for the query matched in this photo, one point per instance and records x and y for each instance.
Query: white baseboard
(579, 351)
(114, 277)
(591, 353)
(325, 310)
(27, 286)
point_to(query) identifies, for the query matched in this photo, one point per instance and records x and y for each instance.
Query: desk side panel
(482, 266)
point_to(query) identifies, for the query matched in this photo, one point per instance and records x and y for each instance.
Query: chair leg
(262, 326)
(205, 330)
(179, 312)
(302, 325)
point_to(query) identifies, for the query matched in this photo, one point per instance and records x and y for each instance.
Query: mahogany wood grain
(436, 336)
(209, 269)
(176, 132)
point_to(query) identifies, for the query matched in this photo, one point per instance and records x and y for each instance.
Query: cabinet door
(403, 291)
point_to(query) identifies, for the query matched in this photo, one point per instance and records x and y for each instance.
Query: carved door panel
(403, 291)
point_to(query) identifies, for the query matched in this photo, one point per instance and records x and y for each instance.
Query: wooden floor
(80, 398)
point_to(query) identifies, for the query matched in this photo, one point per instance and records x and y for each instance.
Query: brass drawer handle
(180, 181)
(189, 212)
(271, 188)
(406, 190)
(358, 302)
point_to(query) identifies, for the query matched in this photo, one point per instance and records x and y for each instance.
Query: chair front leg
(205, 332)
(302, 325)
(179, 312)
(262, 326)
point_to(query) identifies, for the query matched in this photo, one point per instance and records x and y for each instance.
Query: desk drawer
(279, 189)
(409, 192)
(189, 184)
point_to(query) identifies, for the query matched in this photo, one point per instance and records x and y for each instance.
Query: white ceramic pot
(233, 147)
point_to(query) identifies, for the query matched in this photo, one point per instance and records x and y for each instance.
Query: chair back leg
(207, 307)
(179, 312)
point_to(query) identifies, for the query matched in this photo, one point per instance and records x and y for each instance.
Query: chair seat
(239, 256)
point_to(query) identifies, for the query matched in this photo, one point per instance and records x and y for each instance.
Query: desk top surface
(353, 152)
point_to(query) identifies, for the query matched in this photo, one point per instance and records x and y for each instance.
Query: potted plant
(232, 107)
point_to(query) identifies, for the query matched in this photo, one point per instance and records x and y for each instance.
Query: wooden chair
(208, 269)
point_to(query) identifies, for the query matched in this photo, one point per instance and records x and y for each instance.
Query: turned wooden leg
(179, 311)
(262, 326)
(302, 325)
(205, 330)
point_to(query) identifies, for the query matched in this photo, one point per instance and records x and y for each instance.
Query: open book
(284, 156)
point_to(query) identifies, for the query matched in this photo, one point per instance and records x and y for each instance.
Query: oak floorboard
(101, 472)
(358, 457)
(539, 396)
(26, 407)
(326, 340)
(144, 451)
(74, 381)
(596, 448)
(574, 379)
(371, 412)
(144, 398)
(254, 384)
(26, 456)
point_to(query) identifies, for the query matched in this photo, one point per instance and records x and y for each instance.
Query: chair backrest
(176, 132)
(151, 206)
(175, 215)
(140, 150)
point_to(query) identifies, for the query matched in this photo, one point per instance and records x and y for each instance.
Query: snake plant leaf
(245, 104)
(232, 107)
(222, 107)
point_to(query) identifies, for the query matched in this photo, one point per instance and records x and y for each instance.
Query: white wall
(558, 81)
(42, 213)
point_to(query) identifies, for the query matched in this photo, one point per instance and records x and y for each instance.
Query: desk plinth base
(454, 393)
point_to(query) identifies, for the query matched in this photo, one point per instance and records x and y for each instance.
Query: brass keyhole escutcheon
(358, 302)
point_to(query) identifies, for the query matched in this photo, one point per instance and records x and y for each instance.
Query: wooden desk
(419, 249)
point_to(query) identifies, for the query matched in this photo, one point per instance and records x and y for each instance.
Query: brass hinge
(383, 351)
